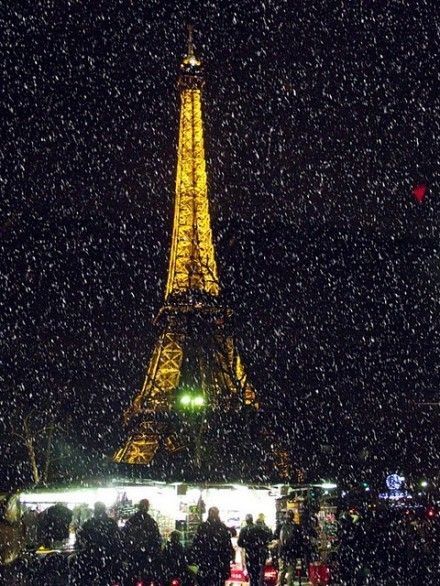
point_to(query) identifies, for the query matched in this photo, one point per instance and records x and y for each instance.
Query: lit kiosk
(195, 417)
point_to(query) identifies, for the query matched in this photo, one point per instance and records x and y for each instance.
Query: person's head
(175, 537)
(144, 505)
(99, 509)
(213, 514)
(261, 519)
(290, 515)
(249, 519)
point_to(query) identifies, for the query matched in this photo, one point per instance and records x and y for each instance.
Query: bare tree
(32, 434)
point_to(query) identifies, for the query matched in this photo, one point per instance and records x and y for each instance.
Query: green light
(198, 401)
(423, 484)
(189, 400)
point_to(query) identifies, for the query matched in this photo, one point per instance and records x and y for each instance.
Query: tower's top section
(192, 270)
(190, 59)
(191, 67)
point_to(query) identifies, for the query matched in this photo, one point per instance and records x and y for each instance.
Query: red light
(419, 192)
(175, 582)
(270, 576)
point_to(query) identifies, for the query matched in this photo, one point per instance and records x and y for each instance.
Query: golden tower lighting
(195, 341)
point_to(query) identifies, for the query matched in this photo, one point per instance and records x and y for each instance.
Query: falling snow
(322, 133)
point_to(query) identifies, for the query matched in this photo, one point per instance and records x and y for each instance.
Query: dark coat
(291, 542)
(141, 534)
(53, 523)
(100, 552)
(174, 560)
(254, 539)
(100, 534)
(212, 549)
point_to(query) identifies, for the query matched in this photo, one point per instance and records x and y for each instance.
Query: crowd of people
(386, 547)
(107, 555)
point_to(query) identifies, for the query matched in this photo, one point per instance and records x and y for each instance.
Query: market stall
(176, 505)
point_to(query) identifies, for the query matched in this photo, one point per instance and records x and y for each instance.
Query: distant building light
(394, 482)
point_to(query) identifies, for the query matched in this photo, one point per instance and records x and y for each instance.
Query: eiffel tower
(196, 393)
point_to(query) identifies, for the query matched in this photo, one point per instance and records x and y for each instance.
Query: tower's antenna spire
(190, 59)
(190, 40)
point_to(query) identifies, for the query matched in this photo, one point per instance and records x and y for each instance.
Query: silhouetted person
(309, 528)
(52, 569)
(290, 549)
(261, 521)
(12, 538)
(143, 542)
(99, 544)
(175, 560)
(53, 525)
(254, 538)
(359, 552)
(30, 520)
(212, 550)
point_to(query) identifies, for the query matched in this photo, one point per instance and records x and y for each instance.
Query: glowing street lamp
(189, 400)
(198, 401)
(185, 400)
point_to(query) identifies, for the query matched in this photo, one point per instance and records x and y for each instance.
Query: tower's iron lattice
(195, 347)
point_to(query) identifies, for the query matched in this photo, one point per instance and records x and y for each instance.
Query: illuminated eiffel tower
(195, 380)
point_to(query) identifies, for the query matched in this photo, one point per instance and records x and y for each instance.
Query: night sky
(320, 119)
